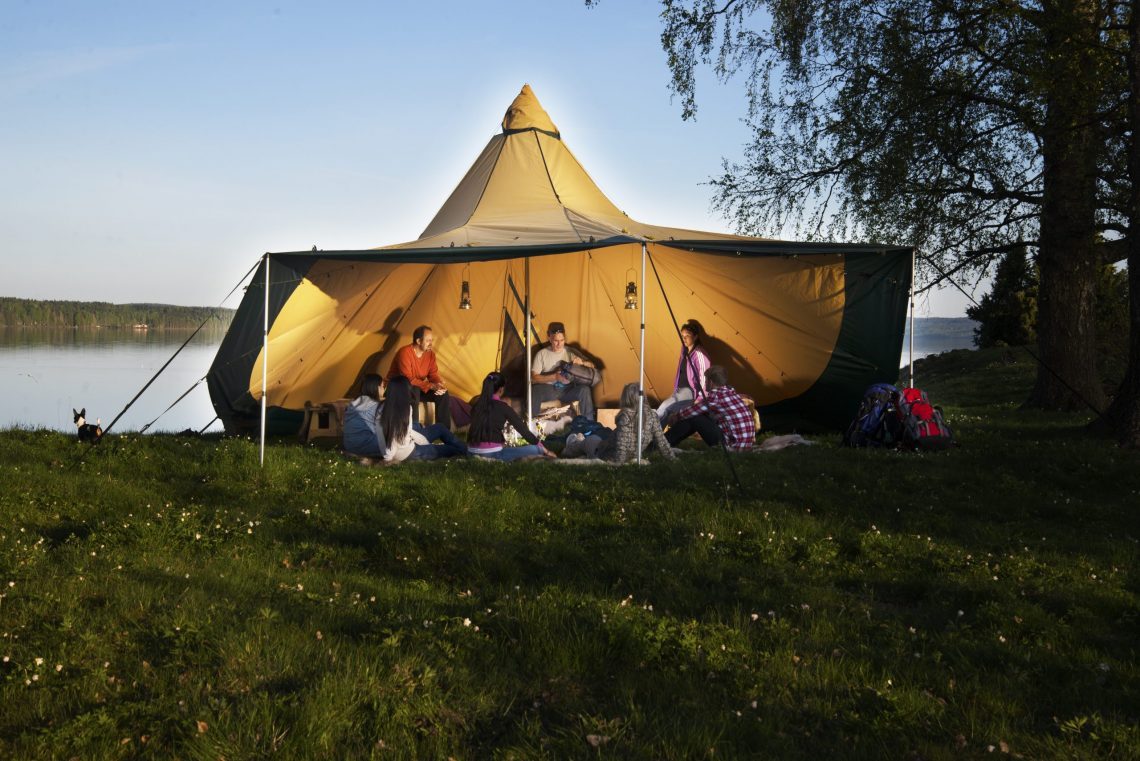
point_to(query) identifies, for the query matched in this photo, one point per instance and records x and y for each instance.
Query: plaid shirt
(726, 407)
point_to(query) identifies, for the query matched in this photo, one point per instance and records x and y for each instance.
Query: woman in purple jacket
(688, 384)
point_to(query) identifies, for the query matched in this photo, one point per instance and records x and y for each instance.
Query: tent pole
(526, 329)
(641, 363)
(264, 362)
(911, 318)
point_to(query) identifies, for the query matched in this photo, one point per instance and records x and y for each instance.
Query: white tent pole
(912, 318)
(264, 362)
(641, 362)
(526, 330)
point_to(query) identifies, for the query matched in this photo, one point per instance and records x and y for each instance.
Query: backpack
(921, 422)
(586, 427)
(877, 423)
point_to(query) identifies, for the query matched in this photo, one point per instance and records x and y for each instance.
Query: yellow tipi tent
(802, 328)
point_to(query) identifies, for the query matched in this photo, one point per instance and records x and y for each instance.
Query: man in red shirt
(721, 417)
(416, 362)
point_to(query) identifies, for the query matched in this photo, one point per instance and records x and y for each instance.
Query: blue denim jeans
(510, 454)
(450, 446)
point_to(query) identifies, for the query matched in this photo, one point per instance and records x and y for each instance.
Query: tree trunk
(1123, 417)
(1067, 377)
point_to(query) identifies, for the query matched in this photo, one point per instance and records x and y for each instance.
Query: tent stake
(264, 363)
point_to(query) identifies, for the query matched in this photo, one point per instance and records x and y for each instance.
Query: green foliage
(92, 314)
(168, 598)
(1112, 314)
(1008, 313)
(967, 128)
(925, 122)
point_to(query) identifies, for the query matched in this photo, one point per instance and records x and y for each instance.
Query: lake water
(934, 335)
(44, 373)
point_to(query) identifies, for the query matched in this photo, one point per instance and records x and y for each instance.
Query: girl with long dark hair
(408, 441)
(488, 414)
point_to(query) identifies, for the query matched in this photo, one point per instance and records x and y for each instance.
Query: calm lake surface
(45, 372)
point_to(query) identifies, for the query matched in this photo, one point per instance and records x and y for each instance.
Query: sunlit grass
(169, 598)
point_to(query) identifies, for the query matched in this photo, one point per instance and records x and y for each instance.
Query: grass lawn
(167, 598)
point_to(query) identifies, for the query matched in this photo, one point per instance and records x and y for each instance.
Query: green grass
(168, 598)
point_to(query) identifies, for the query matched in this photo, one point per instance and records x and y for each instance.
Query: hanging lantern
(631, 295)
(465, 289)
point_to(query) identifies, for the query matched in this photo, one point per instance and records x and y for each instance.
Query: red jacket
(421, 371)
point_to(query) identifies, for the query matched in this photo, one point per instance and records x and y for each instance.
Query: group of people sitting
(389, 430)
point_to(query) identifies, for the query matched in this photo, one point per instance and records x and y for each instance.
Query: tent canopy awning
(746, 247)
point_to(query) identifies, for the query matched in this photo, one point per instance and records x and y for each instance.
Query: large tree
(1123, 416)
(965, 127)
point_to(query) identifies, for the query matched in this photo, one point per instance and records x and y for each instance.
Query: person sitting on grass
(488, 415)
(412, 441)
(721, 417)
(621, 447)
(362, 435)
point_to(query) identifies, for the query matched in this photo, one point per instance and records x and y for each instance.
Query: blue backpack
(583, 425)
(877, 422)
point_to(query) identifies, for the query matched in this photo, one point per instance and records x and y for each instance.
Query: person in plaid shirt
(721, 416)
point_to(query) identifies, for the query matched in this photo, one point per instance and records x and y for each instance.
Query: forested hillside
(90, 314)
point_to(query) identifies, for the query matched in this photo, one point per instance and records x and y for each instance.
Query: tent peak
(526, 113)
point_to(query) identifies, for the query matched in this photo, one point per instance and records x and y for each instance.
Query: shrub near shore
(168, 598)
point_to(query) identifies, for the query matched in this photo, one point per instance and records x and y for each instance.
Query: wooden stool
(751, 404)
(426, 413)
(607, 416)
(323, 421)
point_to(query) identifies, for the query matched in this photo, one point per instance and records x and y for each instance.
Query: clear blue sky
(152, 151)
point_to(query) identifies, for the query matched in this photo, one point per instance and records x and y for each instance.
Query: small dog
(87, 431)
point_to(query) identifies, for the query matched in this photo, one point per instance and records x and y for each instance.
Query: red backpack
(922, 424)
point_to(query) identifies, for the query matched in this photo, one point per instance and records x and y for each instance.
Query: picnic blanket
(776, 443)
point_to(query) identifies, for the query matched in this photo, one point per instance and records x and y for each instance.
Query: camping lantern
(465, 292)
(631, 295)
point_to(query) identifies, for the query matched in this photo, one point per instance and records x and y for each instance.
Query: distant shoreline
(167, 328)
(97, 315)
